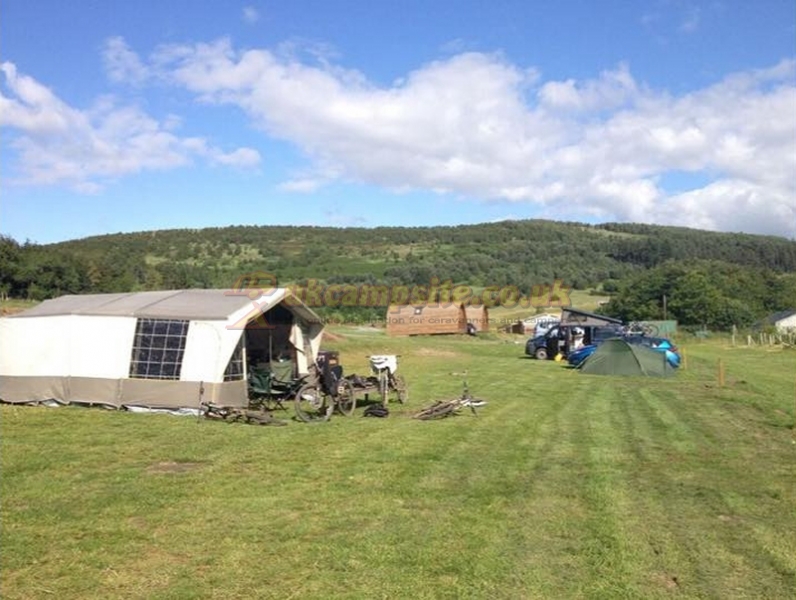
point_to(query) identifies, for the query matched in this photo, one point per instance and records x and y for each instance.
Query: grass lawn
(564, 486)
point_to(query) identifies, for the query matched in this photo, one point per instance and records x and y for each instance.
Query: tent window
(234, 371)
(158, 349)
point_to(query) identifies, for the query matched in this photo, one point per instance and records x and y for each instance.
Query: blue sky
(130, 116)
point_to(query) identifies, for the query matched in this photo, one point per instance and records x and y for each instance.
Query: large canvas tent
(617, 357)
(163, 349)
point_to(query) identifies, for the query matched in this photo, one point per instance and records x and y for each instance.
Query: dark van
(561, 339)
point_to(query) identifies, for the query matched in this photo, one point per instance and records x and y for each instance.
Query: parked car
(560, 337)
(578, 356)
(543, 327)
(531, 325)
(659, 344)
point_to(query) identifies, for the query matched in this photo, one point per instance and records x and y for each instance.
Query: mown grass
(564, 486)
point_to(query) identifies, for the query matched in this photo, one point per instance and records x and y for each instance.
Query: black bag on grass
(376, 410)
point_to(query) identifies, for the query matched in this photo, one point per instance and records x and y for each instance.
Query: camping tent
(164, 349)
(617, 357)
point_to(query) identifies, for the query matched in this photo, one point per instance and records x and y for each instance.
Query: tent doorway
(267, 339)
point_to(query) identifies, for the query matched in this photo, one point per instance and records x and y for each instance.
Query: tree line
(639, 263)
(711, 294)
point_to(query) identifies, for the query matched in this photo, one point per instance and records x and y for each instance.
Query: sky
(119, 116)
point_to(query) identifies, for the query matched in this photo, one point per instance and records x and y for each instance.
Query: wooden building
(426, 319)
(478, 317)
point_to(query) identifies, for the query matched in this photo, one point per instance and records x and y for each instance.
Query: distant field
(564, 486)
(582, 299)
(10, 307)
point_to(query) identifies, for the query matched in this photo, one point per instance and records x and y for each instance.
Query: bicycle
(211, 410)
(446, 408)
(641, 328)
(328, 390)
(384, 367)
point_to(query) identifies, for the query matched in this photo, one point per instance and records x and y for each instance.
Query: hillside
(516, 253)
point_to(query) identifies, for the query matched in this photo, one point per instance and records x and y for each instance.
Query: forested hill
(517, 253)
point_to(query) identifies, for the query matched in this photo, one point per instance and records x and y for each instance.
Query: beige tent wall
(99, 346)
(121, 392)
(208, 348)
(311, 335)
(35, 347)
(17, 389)
(69, 345)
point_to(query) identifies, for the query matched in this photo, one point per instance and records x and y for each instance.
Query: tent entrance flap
(277, 336)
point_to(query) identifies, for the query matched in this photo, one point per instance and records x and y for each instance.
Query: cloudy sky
(154, 114)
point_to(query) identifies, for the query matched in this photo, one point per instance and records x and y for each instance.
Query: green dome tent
(617, 357)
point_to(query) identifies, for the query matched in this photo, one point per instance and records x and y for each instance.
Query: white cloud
(473, 125)
(611, 90)
(250, 14)
(242, 157)
(122, 64)
(302, 186)
(478, 126)
(84, 149)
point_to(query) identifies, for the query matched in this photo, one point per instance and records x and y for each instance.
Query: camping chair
(273, 384)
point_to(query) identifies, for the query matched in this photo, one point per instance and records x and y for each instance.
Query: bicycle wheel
(312, 404)
(384, 388)
(401, 388)
(346, 398)
(440, 410)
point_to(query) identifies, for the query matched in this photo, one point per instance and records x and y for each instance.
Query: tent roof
(173, 304)
(575, 316)
(426, 309)
(618, 357)
(779, 316)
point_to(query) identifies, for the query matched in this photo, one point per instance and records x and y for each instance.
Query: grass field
(564, 486)
(502, 316)
(10, 307)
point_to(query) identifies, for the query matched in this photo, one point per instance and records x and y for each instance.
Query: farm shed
(783, 321)
(426, 319)
(163, 349)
